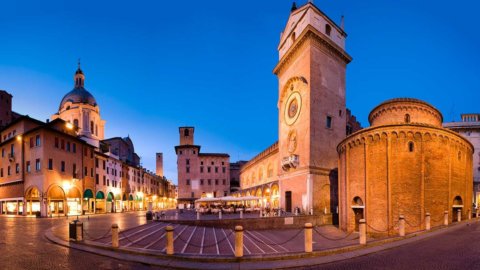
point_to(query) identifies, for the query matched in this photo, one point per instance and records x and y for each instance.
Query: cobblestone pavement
(458, 249)
(23, 246)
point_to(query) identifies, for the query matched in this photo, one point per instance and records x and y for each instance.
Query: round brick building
(406, 164)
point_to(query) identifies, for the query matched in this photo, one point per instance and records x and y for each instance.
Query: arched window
(186, 133)
(407, 118)
(328, 29)
(91, 127)
(411, 146)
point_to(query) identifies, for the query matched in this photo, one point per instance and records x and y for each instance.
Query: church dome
(79, 94)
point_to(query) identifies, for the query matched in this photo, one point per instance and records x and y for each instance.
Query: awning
(130, 198)
(88, 194)
(206, 199)
(100, 195)
(110, 197)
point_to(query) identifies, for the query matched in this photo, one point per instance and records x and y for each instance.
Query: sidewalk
(287, 260)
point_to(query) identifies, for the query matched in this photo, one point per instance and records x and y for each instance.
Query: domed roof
(79, 95)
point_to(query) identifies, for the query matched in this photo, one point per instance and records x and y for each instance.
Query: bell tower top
(310, 16)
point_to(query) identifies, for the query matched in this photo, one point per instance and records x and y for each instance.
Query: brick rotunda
(406, 164)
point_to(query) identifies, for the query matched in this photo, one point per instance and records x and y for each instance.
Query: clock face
(292, 108)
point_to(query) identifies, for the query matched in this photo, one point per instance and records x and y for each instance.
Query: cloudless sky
(156, 65)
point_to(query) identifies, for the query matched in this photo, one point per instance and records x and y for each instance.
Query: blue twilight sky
(156, 65)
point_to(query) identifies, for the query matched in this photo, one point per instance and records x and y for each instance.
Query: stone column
(459, 215)
(427, 221)
(241, 213)
(362, 227)
(401, 226)
(469, 214)
(238, 241)
(308, 237)
(445, 218)
(115, 240)
(169, 230)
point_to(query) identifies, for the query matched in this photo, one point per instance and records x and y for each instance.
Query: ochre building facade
(406, 164)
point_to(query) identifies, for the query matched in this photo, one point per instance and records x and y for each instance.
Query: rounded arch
(100, 195)
(130, 197)
(457, 200)
(88, 194)
(55, 192)
(357, 201)
(110, 197)
(258, 192)
(32, 193)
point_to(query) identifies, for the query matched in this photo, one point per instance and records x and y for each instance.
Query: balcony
(11, 157)
(290, 162)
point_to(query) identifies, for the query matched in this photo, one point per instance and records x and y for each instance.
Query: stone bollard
(169, 230)
(311, 211)
(198, 215)
(115, 240)
(176, 215)
(241, 213)
(362, 227)
(79, 230)
(427, 222)
(308, 237)
(220, 214)
(445, 218)
(238, 241)
(261, 213)
(401, 225)
(459, 215)
(469, 214)
(279, 212)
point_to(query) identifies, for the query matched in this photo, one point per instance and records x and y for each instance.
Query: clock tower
(311, 106)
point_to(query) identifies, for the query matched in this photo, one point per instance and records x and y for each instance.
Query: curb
(285, 261)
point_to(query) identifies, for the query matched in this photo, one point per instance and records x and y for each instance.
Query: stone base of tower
(311, 191)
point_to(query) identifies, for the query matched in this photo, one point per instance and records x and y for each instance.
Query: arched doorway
(358, 209)
(32, 197)
(56, 201)
(124, 202)
(267, 198)
(100, 202)
(457, 209)
(258, 193)
(131, 205)
(89, 202)
(74, 203)
(275, 196)
(110, 203)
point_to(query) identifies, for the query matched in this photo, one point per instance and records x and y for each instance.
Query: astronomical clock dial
(292, 108)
